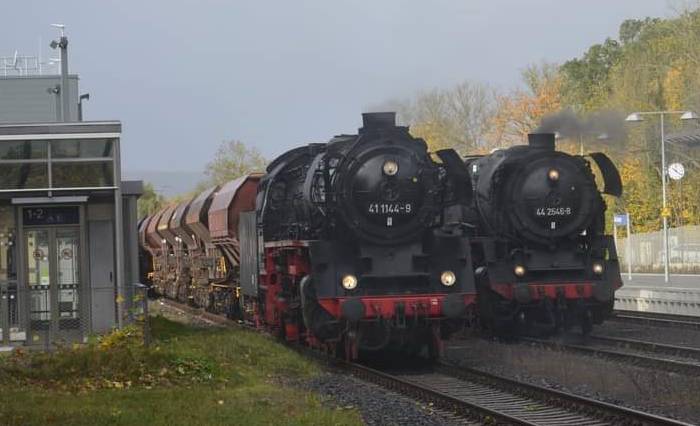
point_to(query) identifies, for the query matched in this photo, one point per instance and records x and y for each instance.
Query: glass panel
(74, 175)
(67, 255)
(22, 150)
(8, 269)
(38, 274)
(19, 176)
(81, 148)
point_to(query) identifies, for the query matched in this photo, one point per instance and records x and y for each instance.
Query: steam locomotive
(355, 244)
(544, 262)
(367, 242)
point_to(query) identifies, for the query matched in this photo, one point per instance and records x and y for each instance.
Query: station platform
(659, 299)
(690, 281)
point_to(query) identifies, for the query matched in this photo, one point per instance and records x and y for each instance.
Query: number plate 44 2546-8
(553, 211)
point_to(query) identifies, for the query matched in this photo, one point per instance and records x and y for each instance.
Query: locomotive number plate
(389, 208)
(553, 211)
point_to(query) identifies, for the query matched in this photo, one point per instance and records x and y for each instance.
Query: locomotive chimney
(541, 140)
(378, 120)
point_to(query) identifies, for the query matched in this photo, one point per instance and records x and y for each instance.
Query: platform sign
(620, 220)
(63, 215)
(624, 220)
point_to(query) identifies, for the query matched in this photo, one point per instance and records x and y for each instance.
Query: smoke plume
(604, 125)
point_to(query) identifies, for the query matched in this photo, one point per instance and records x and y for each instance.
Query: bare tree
(456, 117)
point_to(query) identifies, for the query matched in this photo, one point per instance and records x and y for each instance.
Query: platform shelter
(68, 254)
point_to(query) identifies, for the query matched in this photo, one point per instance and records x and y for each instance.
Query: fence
(44, 317)
(646, 250)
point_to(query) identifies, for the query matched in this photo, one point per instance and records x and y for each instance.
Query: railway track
(478, 396)
(492, 399)
(656, 319)
(676, 359)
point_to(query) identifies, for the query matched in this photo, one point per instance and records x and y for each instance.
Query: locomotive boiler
(543, 257)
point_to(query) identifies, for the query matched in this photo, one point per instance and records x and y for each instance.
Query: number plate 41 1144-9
(389, 208)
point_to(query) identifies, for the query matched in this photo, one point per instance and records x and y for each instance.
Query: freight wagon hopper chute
(143, 231)
(180, 229)
(164, 226)
(153, 238)
(197, 217)
(235, 197)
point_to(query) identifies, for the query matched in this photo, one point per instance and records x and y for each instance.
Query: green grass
(189, 376)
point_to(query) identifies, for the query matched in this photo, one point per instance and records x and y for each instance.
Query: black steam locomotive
(542, 254)
(356, 247)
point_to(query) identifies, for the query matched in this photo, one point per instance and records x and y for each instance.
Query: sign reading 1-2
(64, 215)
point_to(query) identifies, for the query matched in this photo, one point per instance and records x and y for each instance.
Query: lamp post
(639, 116)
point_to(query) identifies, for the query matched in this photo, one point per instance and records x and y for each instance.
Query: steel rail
(657, 319)
(652, 347)
(639, 360)
(612, 413)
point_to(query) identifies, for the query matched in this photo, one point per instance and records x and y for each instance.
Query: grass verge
(190, 375)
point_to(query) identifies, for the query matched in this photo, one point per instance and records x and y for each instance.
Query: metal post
(146, 317)
(628, 248)
(119, 233)
(667, 255)
(65, 98)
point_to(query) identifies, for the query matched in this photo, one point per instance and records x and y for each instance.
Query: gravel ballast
(666, 394)
(377, 405)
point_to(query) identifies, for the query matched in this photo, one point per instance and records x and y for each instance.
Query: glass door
(53, 278)
(67, 255)
(10, 326)
(39, 281)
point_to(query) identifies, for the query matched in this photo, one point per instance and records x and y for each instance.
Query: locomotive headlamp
(390, 167)
(349, 282)
(553, 175)
(598, 268)
(448, 278)
(519, 271)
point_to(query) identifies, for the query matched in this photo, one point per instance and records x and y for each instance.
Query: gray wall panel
(102, 286)
(27, 99)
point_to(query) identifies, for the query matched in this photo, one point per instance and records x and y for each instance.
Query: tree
(150, 201)
(586, 81)
(521, 111)
(232, 160)
(457, 117)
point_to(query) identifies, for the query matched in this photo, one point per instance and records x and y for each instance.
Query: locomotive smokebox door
(247, 231)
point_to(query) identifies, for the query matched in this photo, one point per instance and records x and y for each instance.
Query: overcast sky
(184, 75)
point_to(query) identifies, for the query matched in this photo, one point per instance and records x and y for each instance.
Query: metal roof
(689, 138)
(22, 129)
